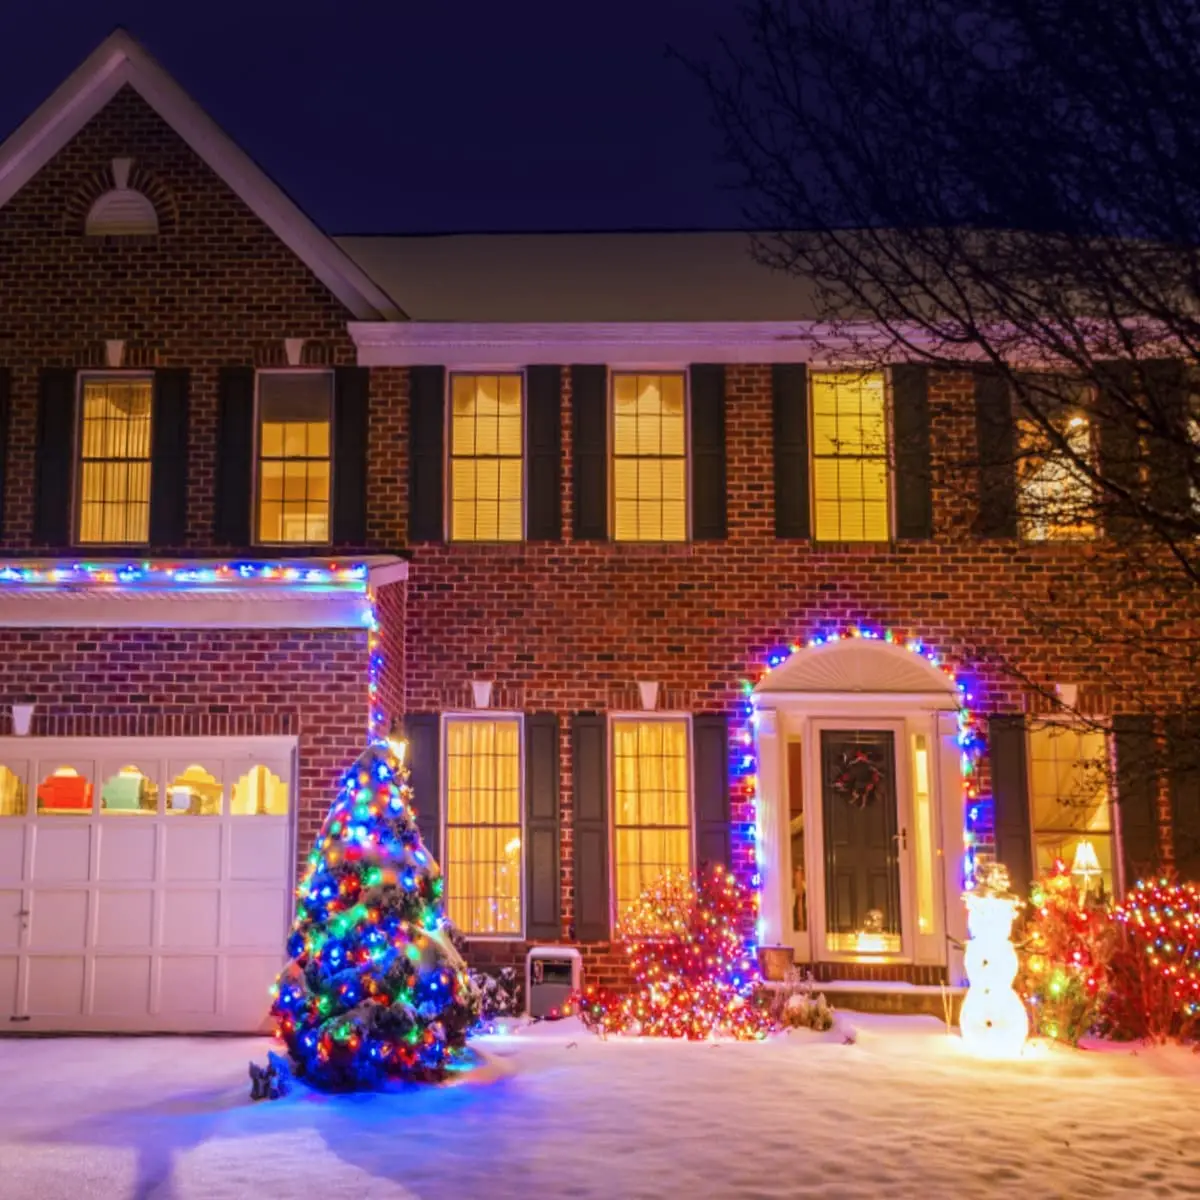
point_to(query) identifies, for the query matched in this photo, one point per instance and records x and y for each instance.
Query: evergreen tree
(375, 988)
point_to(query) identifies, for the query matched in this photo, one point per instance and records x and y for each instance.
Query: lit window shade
(649, 458)
(1054, 494)
(114, 475)
(486, 467)
(850, 478)
(483, 825)
(651, 809)
(1068, 769)
(294, 434)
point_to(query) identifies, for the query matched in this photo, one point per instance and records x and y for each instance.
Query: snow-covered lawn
(557, 1113)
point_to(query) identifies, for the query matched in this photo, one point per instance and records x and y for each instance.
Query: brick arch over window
(136, 179)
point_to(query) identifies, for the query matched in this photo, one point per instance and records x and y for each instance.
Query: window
(194, 792)
(129, 791)
(483, 825)
(1054, 494)
(1068, 769)
(651, 805)
(294, 423)
(649, 458)
(850, 476)
(12, 793)
(65, 790)
(114, 461)
(486, 467)
(259, 793)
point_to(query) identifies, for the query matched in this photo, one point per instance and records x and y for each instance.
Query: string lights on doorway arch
(970, 747)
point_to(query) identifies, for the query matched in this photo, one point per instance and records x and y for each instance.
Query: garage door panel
(193, 851)
(61, 852)
(248, 980)
(188, 984)
(55, 985)
(9, 965)
(124, 918)
(11, 918)
(121, 987)
(126, 852)
(258, 849)
(12, 850)
(191, 919)
(58, 919)
(255, 917)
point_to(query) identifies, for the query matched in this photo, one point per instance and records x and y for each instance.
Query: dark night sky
(440, 116)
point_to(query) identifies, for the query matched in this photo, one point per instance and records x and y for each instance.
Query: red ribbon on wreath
(859, 779)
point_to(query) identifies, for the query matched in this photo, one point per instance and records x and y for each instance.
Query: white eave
(118, 61)
(288, 602)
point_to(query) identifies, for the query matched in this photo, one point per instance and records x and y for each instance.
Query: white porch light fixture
(22, 717)
(649, 694)
(481, 692)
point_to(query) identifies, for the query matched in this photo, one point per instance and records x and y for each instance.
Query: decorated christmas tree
(693, 973)
(1065, 952)
(374, 988)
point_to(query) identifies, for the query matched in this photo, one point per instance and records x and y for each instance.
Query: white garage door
(144, 884)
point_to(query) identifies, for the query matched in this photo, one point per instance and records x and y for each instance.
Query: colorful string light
(184, 576)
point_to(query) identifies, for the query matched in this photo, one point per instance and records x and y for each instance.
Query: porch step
(886, 996)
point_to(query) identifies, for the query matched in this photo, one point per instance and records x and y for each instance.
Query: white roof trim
(119, 60)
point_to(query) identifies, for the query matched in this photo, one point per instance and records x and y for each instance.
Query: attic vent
(122, 211)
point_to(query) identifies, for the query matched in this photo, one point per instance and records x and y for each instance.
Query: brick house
(553, 503)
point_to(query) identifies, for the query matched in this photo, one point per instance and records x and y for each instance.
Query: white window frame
(77, 458)
(485, 714)
(889, 449)
(610, 394)
(256, 461)
(610, 768)
(448, 455)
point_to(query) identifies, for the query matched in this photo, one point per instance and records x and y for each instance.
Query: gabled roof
(118, 61)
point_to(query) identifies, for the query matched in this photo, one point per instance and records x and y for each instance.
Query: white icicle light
(993, 1019)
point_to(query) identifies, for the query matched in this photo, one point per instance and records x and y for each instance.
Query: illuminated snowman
(993, 1019)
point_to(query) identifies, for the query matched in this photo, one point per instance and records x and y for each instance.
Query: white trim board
(120, 60)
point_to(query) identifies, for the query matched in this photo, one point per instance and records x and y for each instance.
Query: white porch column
(954, 818)
(773, 849)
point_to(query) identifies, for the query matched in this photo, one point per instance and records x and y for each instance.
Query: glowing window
(294, 461)
(114, 461)
(194, 792)
(486, 466)
(850, 474)
(483, 825)
(1069, 772)
(129, 791)
(65, 792)
(923, 822)
(12, 794)
(259, 793)
(1054, 494)
(651, 809)
(649, 458)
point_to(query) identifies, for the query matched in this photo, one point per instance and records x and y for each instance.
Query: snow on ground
(557, 1113)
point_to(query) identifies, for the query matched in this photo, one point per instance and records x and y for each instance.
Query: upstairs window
(1054, 494)
(114, 460)
(649, 457)
(486, 458)
(850, 473)
(294, 423)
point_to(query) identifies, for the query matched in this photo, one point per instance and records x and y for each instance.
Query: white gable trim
(119, 60)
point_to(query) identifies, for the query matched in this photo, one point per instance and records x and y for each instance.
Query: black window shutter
(169, 457)
(422, 732)
(589, 781)
(910, 424)
(5, 405)
(235, 455)
(426, 454)
(1183, 782)
(709, 521)
(995, 435)
(543, 448)
(1117, 443)
(54, 452)
(351, 405)
(789, 404)
(1010, 800)
(710, 789)
(543, 911)
(1168, 396)
(589, 452)
(1137, 794)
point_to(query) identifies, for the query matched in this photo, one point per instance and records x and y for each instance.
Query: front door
(861, 841)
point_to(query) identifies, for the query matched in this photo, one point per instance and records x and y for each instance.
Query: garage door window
(195, 793)
(12, 794)
(64, 791)
(129, 791)
(259, 793)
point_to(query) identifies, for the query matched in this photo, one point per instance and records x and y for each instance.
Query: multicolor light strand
(1163, 918)
(184, 576)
